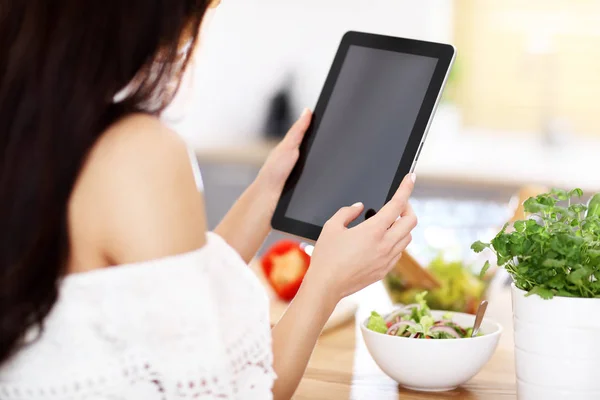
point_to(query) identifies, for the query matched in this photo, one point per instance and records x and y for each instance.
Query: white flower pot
(557, 347)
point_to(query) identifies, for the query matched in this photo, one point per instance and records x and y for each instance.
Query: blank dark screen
(363, 133)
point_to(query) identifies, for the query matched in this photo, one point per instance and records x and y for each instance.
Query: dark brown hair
(62, 62)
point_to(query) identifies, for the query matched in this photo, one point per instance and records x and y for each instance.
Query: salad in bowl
(419, 347)
(416, 321)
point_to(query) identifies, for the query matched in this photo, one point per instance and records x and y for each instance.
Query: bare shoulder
(135, 135)
(136, 198)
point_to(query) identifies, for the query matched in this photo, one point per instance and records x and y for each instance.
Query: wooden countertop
(341, 367)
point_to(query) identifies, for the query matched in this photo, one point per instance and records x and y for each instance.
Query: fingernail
(413, 177)
(304, 113)
(359, 204)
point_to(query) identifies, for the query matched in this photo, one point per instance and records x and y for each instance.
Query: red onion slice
(462, 331)
(446, 329)
(401, 312)
(394, 328)
(397, 313)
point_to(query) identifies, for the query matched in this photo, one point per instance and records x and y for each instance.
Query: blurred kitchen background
(521, 107)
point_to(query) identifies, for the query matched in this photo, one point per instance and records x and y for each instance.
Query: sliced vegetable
(284, 266)
(446, 329)
(401, 312)
(399, 328)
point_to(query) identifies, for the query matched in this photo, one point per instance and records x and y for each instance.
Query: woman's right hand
(346, 260)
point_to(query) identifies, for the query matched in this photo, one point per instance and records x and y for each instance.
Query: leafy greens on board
(557, 251)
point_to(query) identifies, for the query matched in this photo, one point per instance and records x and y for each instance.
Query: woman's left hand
(282, 159)
(248, 223)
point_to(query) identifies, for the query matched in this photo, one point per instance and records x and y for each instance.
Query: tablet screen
(375, 103)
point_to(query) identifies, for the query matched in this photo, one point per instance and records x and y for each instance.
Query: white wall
(251, 46)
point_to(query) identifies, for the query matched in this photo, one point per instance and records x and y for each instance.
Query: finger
(346, 215)
(403, 226)
(392, 264)
(296, 133)
(396, 207)
(402, 245)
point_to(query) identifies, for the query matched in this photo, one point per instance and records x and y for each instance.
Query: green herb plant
(556, 252)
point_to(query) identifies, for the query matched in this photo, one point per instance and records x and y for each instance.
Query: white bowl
(434, 365)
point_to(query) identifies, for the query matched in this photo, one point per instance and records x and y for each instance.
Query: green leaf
(564, 293)
(520, 226)
(377, 323)
(577, 208)
(594, 205)
(427, 322)
(479, 246)
(594, 253)
(534, 228)
(564, 212)
(541, 291)
(418, 313)
(554, 263)
(576, 192)
(501, 260)
(558, 282)
(560, 194)
(420, 299)
(578, 275)
(500, 244)
(485, 268)
(533, 206)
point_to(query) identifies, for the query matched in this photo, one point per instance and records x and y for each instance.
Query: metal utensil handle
(479, 317)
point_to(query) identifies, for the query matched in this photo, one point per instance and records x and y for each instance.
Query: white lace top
(192, 326)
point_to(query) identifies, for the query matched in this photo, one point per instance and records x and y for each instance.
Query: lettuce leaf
(377, 323)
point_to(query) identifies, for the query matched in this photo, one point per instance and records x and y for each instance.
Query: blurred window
(525, 63)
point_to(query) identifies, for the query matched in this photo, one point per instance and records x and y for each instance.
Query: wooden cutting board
(414, 275)
(343, 313)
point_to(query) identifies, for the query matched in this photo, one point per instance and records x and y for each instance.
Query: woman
(110, 286)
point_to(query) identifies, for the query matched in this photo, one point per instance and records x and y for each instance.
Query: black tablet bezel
(445, 55)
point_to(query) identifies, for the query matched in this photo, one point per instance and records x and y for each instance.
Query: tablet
(367, 130)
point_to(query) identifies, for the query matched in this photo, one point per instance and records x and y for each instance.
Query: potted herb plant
(554, 260)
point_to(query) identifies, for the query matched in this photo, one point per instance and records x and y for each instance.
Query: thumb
(296, 133)
(347, 214)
